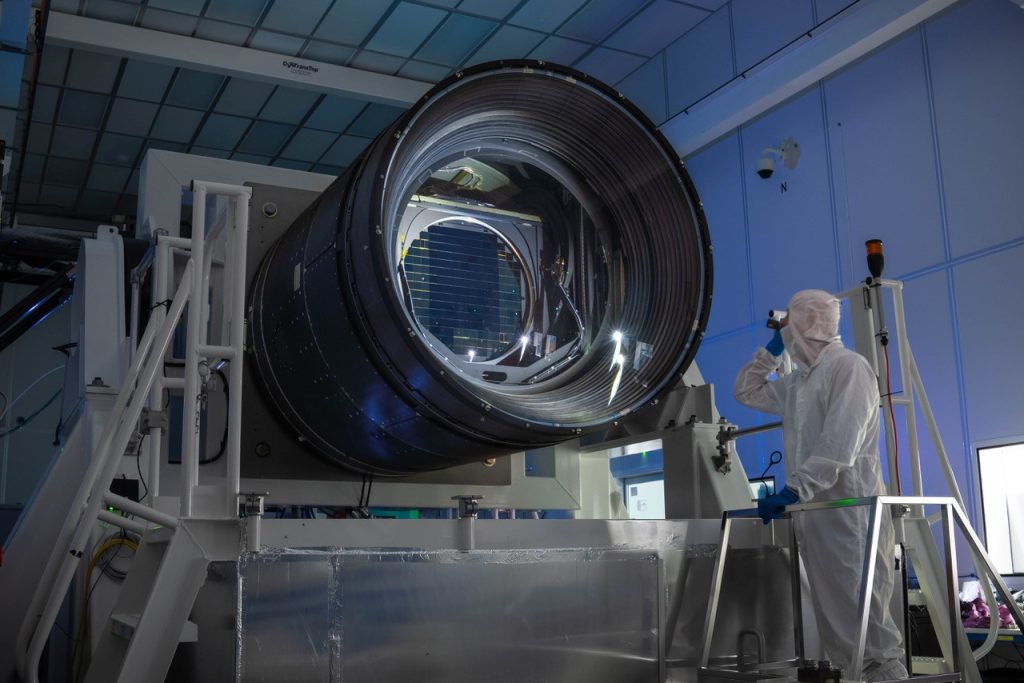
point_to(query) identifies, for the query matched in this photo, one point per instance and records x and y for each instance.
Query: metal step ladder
(150, 617)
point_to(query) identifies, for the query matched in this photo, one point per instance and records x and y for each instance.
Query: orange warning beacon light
(876, 259)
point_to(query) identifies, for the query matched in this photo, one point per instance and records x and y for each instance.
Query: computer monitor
(645, 496)
(1001, 470)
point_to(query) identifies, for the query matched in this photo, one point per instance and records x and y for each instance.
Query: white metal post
(236, 313)
(141, 511)
(716, 590)
(161, 277)
(122, 522)
(884, 389)
(190, 410)
(903, 344)
(867, 582)
(952, 589)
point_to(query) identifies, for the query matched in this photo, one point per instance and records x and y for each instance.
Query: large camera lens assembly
(520, 259)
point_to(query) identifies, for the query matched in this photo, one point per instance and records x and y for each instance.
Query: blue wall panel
(977, 62)
(882, 153)
(761, 27)
(929, 329)
(711, 171)
(791, 242)
(824, 9)
(719, 361)
(699, 62)
(918, 144)
(991, 321)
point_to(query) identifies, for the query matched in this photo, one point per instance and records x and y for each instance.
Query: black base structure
(519, 260)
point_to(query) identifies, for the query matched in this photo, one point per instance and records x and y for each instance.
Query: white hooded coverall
(830, 417)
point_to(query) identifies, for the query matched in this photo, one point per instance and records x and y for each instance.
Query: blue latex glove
(771, 507)
(776, 346)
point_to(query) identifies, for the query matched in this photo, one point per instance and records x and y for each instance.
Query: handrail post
(903, 344)
(867, 582)
(952, 590)
(716, 589)
(236, 295)
(162, 264)
(190, 410)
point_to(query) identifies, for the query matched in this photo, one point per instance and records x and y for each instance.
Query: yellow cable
(82, 632)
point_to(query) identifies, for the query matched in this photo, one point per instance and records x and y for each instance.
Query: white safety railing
(952, 517)
(144, 383)
(914, 396)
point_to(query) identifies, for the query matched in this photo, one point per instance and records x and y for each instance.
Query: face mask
(788, 338)
(795, 346)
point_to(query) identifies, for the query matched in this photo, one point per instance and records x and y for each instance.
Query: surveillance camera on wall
(788, 152)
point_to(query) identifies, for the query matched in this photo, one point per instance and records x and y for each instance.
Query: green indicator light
(110, 508)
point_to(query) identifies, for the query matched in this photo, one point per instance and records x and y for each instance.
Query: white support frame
(868, 305)
(952, 516)
(137, 389)
(124, 40)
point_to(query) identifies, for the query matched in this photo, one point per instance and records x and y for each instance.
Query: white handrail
(89, 499)
(236, 297)
(162, 264)
(145, 383)
(139, 510)
(64, 536)
(193, 337)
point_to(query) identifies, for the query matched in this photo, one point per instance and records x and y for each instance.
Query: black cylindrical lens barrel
(520, 259)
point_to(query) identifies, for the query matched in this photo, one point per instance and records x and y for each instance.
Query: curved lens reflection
(501, 269)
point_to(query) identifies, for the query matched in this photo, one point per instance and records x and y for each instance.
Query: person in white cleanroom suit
(829, 408)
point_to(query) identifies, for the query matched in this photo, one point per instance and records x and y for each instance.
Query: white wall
(919, 144)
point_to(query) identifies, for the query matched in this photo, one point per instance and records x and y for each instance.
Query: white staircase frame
(144, 383)
(942, 585)
(867, 301)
